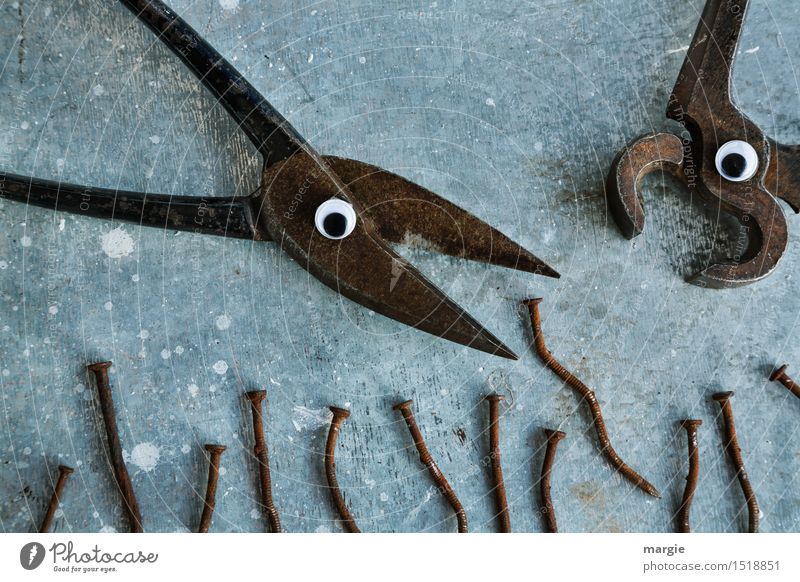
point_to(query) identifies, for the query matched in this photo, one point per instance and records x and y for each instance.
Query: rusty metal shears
(336, 217)
(724, 156)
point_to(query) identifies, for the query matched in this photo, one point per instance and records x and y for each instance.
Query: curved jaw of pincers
(362, 265)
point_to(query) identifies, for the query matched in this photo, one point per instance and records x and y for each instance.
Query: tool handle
(269, 131)
(224, 216)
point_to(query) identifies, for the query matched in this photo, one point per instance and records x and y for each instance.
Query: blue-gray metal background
(513, 110)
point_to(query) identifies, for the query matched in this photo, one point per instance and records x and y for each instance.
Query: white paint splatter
(62, 224)
(223, 322)
(490, 102)
(108, 306)
(384, 497)
(98, 90)
(310, 57)
(185, 448)
(3, 265)
(144, 334)
(26, 451)
(362, 60)
(166, 353)
(229, 4)
(179, 350)
(108, 529)
(220, 367)
(682, 49)
(255, 514)
(193, 389)
(155, 139)
(415, 511)
(117, 243)
(753, 50)
(135, 278)
(145, 456)
(309, 419)
(52, 310)
(26, 241)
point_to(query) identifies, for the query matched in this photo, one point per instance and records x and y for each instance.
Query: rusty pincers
(721, 155)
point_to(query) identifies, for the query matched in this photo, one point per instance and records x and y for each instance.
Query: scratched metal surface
(513, 110)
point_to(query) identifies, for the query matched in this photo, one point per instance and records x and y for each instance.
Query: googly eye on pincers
(335, 219)
(737, 161)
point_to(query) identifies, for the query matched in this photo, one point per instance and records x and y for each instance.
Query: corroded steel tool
(336, 217)
(722, 155)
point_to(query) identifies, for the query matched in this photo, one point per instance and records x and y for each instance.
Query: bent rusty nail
(339, 416)
(215, 452)
(425, 457)
(735, 452)
(123, 480)
(588, 395)
(553, 438)
(691, 427)
(256, 397)
(497, 469)
(63, 474)
(781, 376)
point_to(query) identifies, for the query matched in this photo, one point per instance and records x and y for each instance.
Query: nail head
(403, 405)
(339, 412)
(779, 373)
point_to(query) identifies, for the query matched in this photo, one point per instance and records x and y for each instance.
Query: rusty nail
(123, 480)
(588, 395)
(691, 427)
(339, 416)
(63, 474)
(497, 469)
(781, 376)
(215, 452)
(553, 438)
(256, 397)
(425, 457)
(732, 446)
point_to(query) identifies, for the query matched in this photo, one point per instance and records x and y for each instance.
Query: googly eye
(335, 219)
(737, 161)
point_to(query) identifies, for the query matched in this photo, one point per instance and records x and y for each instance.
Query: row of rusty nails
(100, 370)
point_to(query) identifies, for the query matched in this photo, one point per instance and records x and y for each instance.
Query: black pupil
(734, 165)
(335, 224)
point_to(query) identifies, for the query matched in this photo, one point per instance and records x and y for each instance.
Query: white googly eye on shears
(737, 161)
(335, 219)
